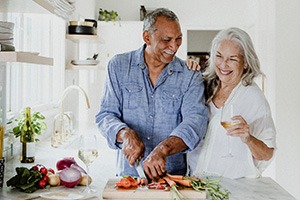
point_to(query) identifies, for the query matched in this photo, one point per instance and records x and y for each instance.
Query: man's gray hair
(151, 18)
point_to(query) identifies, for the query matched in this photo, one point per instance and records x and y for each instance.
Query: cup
(2, 164)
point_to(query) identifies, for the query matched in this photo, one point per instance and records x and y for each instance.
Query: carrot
(175, 177)
(143, 181)
(169, 181)
(161, 181)
(184, 182)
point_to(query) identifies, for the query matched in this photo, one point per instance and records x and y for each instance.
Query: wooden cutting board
(111, 192)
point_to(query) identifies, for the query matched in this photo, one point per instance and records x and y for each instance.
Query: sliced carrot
(138, 180)
(143, 181)
(161, 180)
(184, 182)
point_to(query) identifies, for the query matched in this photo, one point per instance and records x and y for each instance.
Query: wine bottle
(27, 140)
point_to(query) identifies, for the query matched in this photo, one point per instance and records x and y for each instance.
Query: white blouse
(209, 158)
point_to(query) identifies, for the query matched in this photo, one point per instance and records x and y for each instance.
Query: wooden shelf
(25, 57)
(77, 67)
(78, 37)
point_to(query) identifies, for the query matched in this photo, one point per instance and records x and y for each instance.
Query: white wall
(288, 95)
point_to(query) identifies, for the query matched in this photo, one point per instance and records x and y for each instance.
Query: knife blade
(140, 170)
(141, 173)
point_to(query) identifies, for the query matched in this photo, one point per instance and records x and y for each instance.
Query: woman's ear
(146, 37)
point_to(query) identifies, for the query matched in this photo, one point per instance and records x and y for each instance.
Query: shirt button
(151, 116)
(152, 96)
(148, 138)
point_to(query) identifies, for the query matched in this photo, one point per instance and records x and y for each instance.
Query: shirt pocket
(171, 101)
(132, 96)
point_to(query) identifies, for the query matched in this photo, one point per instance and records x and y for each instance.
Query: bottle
(143, 12)
(27, 140)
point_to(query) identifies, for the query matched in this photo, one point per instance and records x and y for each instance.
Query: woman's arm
(259, 150)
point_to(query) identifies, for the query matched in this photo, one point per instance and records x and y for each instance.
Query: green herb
(26, 180)
(105, 15)
(37, 124)
(213, 187)
(175, 194)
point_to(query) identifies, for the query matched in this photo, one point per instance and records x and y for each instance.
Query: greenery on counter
(26, 180)
(213, 187)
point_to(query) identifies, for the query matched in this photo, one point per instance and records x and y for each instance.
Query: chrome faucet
(62, 124)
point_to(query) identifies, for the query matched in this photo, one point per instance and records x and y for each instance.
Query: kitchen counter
(103, 168)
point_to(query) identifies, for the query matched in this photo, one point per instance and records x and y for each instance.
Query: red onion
(70, 177)
(65, 163)
(76, 166)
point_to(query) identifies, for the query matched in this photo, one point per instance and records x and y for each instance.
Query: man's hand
(154, 164)
(133, 148)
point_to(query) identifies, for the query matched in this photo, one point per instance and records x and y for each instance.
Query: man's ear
(146, 37)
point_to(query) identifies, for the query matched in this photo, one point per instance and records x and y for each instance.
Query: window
(30, 84)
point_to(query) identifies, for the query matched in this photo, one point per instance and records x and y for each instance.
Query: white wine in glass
(226, 122)
(88, 152)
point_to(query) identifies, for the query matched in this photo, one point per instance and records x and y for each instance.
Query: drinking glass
(227, 122)
(88, 152)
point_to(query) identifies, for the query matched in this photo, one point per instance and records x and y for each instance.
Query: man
(153, 107)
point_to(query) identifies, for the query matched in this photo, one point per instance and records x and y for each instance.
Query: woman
(233, 65)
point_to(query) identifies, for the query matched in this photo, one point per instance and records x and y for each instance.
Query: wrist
(122, 134)
(248, 139)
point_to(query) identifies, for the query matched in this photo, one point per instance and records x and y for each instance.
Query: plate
(61, 195)
(85, 62)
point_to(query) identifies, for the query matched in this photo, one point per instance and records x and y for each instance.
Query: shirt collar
(173, 66)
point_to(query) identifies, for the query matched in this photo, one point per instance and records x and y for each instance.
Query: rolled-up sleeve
(194, 114)
(108, 118)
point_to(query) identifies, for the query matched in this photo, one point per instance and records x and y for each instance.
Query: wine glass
(226, 121)
(88, 152)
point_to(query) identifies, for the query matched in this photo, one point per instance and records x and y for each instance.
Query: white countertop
(104, 168)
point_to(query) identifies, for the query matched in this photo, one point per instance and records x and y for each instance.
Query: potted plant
(27, 126)
(105, 15)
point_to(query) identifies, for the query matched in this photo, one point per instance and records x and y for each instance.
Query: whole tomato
(43, 171)
(35, 167)
(46, 178)
(42, 183)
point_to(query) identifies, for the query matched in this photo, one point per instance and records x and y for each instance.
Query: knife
(140, 170)
(141, 173)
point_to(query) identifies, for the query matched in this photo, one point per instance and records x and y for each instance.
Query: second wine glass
(87, 152)
(226, 121)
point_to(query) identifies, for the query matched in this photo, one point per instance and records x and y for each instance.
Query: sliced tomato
(125, 183)
(119, 184)
(131, 179)
(160, 187)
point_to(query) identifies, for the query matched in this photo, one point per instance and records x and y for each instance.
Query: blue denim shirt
(175, 106)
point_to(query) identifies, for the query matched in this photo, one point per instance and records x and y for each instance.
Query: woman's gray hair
(251, 61)
(151, 18)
